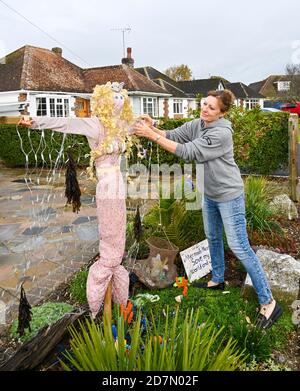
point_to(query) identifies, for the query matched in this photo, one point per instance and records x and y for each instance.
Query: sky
(238, 40)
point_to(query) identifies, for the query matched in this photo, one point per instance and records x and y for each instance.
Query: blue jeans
(232, 215)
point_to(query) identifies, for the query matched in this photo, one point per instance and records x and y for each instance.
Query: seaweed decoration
(72, 192)
(25, 313)
(137, 225)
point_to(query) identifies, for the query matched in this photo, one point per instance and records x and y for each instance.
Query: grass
(78, 286)
(45, 314)
(191, 347)
(231, 311)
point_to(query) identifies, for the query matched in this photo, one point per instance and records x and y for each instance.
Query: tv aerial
(123, 30)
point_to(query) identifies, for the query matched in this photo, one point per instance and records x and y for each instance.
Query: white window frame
(150, 101)
(283, 85)
(251, 103)
(64, 104)
(178, 106)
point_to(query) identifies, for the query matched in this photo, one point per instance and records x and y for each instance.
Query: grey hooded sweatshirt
(211, 145)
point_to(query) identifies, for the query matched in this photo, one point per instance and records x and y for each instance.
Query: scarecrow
(108, 132)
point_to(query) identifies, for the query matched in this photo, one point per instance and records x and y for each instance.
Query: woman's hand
(147, 119)
(143, 130)
(25, 121)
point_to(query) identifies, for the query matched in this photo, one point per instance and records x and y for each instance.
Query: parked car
(270, 109)
(291, 107)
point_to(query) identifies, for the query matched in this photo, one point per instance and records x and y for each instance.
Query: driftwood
(33, 352)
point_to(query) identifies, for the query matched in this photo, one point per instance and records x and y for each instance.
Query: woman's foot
(268, 314)
(210, 285)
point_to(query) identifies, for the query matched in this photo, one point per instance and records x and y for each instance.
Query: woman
(208, 140)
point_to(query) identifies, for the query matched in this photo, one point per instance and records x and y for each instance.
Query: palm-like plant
(192, 347)
(258, 195)
(182, 227)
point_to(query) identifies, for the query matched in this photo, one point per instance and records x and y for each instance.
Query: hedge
(260, 142)
(35, 147)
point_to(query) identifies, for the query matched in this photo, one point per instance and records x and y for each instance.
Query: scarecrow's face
(118, 102)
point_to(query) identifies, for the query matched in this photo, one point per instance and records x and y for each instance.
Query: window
(283, 85)
(150, 106)
(251, 103)
(177, 106)
(53, 106)
(41, 107)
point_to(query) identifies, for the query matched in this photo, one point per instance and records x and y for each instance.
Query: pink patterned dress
(111, 212)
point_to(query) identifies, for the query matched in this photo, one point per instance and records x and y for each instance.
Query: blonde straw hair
(115, 125)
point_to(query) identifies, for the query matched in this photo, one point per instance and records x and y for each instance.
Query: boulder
(283, 273)
(283, 205)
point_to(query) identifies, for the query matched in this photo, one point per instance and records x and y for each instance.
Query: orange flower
(127, 312)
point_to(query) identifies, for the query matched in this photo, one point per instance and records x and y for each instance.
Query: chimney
(57, 51)
(128, 60)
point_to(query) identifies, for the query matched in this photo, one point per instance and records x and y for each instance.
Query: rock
(8, 231)
(283, 205)
(33, 231)
(84, 219)
(34, 243)
(283, 273)
(87, 232)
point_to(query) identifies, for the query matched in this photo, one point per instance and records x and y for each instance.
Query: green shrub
(258, 195)
(260, 139)
(11, 151)
(196, 347)
(183, 227)
(260, 142)
(45, 314)
(268, 365)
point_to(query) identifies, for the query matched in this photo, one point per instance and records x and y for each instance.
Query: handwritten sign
(196, 260)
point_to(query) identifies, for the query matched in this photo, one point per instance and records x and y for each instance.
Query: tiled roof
(170, 85)
(38, 69)
(268, 86)
(241, 91)
(200, 86)
(257, 86)
(133, 80)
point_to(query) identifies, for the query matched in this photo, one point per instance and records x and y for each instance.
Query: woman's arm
(145, 131)
(182, 134)
(150, 122)
(89, 127)
(199, 149)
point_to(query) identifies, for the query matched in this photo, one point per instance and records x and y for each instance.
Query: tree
(179, 72)
(293, 72)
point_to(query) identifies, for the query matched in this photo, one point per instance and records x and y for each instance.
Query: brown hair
(225, 97)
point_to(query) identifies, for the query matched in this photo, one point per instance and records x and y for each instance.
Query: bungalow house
(246, 97)
(179, 104)
(275, 87)
(201, 86)
(41, 82)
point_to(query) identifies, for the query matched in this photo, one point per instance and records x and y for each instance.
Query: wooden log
(107, 303)
(293, 156)
(32, 353)
(9, 120)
